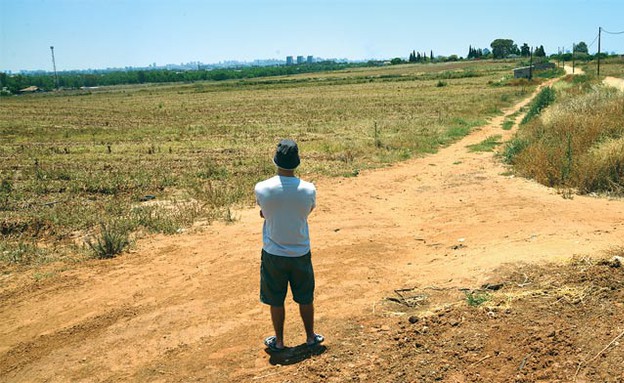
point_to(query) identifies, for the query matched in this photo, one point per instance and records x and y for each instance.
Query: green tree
(539, 52)
(502, 48)
(581, 47)
(525, 51)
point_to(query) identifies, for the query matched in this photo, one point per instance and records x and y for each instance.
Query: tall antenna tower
(56, 82)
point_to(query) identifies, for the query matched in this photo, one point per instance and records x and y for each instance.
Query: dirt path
(614, 82)
(185, 308)
(576, 70)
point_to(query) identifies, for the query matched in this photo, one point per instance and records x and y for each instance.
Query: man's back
(286, 203)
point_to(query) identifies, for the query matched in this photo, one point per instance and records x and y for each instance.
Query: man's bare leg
(307, 315)
(278, 316)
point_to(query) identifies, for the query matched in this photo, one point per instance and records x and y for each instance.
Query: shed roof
(32, 88)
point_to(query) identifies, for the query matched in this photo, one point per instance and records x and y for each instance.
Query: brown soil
(185, 307)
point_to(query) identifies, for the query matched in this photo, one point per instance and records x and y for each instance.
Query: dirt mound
(553, 323)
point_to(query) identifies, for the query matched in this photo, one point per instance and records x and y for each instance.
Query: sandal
(271, 343)
(318, 339)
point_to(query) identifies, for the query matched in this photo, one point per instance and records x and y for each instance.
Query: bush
(602, 168)
(544, 98)
(112, 240)
(576, 143)
(513, 148)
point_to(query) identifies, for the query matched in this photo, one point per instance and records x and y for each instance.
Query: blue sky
(117, 33)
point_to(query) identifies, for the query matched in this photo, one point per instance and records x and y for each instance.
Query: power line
(613, 33)
(593, 42)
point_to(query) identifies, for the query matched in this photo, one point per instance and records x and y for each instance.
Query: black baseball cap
(287, 155)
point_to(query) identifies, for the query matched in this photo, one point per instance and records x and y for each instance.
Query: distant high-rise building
(299, 59)
(310, 59)
(289, 60)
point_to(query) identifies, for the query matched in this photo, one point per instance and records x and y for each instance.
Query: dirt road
(185, 307)
(614, 82)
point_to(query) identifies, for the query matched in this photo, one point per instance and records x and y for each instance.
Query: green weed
(508, 124)
(544, 98)
(513, 148)
(486, 145)
(112, 240)
(476, 298)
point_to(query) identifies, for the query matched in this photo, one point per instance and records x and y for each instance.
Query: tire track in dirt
(186, 308)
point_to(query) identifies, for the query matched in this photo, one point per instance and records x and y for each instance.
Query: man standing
(285, 203)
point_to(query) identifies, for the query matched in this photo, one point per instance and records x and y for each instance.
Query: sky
(118, 33)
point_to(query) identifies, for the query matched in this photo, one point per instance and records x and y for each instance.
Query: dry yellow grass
(576, 143)
(72, 159)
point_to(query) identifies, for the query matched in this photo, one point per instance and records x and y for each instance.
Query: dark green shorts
(277, 272)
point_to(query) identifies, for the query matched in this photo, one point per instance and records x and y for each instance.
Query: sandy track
(185, 308)
(614, 82)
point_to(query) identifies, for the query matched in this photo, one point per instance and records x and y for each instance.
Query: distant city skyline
(101, 34)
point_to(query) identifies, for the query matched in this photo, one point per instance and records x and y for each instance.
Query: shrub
(602, 168)
(514, 147)
(576, 143)
(544, 98)
(112, 240)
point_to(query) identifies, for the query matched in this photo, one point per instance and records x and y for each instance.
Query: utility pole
(56, 82)
(599, 31)
(531, 65)
(573, 49)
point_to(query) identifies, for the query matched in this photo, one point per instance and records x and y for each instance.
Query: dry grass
(73, 159)
(613, 66)
(576, 143)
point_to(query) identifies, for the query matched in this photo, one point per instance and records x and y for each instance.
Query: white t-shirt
(286, 203)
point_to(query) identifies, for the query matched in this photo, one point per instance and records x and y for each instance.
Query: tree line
(416, 57)
(14, 83)
(501, 48)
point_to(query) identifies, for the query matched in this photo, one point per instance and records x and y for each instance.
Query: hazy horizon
(89, 34)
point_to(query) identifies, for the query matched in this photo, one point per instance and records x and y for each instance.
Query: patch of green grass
(550, 73)
(508, 124)
(543, 99)
(477, 298)
(41, 276)
(486, 145)
(513, 148)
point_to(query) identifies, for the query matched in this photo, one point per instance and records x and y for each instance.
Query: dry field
(416, 262)
(75, 160)
(609, 67)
